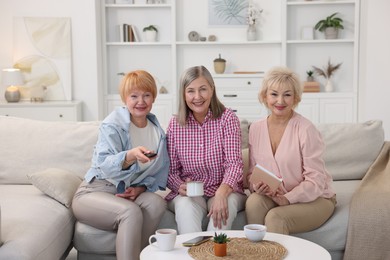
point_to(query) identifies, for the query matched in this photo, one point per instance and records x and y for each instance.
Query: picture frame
(227, 13)
(307, 33)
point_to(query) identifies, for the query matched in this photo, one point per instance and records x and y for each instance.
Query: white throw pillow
(59, 184)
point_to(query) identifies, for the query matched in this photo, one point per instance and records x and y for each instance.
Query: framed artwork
(43, 53)
(307, 33)
(227, 12)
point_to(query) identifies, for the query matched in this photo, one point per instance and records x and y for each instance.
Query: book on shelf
(260, 173)
(135, 33)
(311, 86)
(126, 33)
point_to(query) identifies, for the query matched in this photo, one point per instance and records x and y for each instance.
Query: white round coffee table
(297, 248)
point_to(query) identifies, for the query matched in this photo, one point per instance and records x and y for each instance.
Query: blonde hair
(281, 77)
(137, 80)
(189, 75)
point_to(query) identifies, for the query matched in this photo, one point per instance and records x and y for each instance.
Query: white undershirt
(147, 137)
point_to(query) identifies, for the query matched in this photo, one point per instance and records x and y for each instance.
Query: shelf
(138, 6)
(320, 41)
(138, 44)
(228, 43)
(320, 2)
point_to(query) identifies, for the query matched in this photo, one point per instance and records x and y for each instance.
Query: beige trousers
(293, 218)
(95, 204)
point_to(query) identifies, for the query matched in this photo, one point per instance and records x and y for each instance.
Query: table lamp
(12, 79)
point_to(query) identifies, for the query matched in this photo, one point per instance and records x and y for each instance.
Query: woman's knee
(275, 222)
(152, 202)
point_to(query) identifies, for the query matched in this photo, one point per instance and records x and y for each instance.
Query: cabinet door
(336, 110)
(309, 108)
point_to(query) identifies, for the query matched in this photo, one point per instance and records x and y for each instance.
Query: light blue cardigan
(110, 152)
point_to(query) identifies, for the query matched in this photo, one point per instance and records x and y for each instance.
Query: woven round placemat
(241, 248)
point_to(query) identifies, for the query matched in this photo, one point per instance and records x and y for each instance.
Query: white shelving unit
(279, 43)
(340, 105)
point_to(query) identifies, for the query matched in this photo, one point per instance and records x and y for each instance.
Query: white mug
(166, 239)
(195, 188)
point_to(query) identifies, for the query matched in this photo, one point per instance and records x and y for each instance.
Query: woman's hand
(137, 154)
(183, 188)
(281, 200)
(262, 189)
(132, 193)
(219, 210)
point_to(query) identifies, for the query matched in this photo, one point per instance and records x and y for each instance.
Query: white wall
(84, 48)
(374, 81)
(374, 95)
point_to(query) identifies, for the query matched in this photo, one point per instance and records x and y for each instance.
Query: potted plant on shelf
(310, 85)
(150, 33)
(330, 26)
(220, 244)
(327, 73)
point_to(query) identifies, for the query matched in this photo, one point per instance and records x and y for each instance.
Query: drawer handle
(230, 95)
(61, 115)
(249, 83)
(235, 110)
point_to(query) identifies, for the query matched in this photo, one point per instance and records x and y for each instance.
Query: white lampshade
(12, 77)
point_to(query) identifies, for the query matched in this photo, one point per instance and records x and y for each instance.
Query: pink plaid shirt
(208, 152)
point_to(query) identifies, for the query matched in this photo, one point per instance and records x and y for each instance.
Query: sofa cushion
(333, 234)
(351, 148)
(33, 225)
(37, 145)
(59, 184)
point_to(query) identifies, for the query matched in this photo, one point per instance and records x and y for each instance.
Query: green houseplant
(330, 26)
(150, 33)
(220, 246)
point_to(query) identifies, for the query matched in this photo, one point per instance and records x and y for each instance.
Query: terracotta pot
(220, 249)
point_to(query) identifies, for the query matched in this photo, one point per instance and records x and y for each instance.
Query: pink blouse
(298, 159)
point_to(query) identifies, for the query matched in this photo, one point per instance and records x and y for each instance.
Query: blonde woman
(291, 147)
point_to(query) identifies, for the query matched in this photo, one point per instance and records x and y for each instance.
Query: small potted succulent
(310, 85)
(310, 76)
(150, 33)
(330, 26)
(220, 244)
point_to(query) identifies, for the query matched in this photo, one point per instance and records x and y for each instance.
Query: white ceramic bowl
(255, 232)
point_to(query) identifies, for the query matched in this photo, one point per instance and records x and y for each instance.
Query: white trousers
(190, 212)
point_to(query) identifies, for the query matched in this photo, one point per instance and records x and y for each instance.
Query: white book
(262, 174)
(121, 32)
(136, 36)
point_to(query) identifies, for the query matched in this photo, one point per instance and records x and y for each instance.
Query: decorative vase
(219, 65)
(220, 249)
(251, 33)
(329, 86)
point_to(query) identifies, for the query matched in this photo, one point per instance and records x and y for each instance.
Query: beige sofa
(37, 223)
